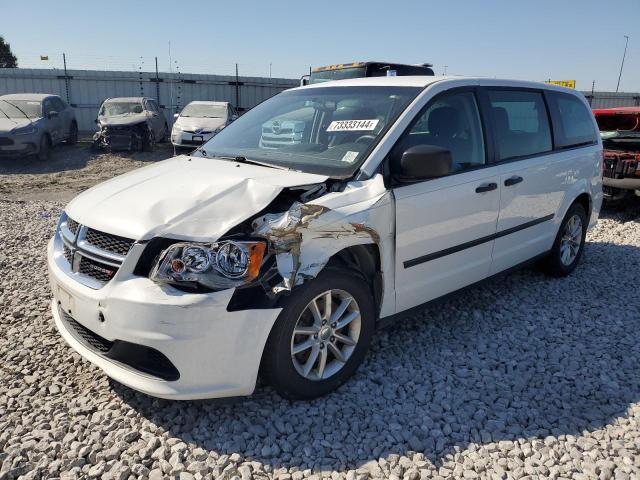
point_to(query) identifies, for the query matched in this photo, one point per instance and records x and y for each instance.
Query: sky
(581, 40)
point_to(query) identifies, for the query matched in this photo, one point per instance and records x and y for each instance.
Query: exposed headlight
(176, 128)
(218, 265)
(28, 130)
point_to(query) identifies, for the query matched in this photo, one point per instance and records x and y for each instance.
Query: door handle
(486, 187)
(512, 181)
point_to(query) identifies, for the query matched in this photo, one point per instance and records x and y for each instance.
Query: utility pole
(157, 83)
(269, 70)
(622, 64)
(593, 92)
(237, 105)
(445, 69)
(66, 77)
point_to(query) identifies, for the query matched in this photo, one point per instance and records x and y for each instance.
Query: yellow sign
(563, 83)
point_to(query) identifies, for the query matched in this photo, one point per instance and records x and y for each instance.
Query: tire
(558, 263)
(163, 137)
(44, 152)
(284, 370)
(73, 134)
(148, 142)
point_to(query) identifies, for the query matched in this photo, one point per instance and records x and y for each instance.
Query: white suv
(187, 278)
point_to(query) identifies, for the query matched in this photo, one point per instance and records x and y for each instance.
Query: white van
(188, 278)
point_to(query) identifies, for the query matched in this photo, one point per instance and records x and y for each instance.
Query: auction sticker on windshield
(352, 125)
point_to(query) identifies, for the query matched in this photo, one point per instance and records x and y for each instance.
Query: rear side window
(573, 121)
(520, 123)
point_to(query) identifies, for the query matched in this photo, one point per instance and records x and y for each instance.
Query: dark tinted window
(452, 121)
(58, 104)
(520, 123)
(48, 106)
(574, 124)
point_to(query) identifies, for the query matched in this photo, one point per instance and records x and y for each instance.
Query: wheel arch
(365, 260)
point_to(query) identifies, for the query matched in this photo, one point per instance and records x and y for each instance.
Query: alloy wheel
(571, 240)
(325, 335)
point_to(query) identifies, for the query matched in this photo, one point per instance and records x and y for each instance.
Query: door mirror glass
(421, 162)
(176, 115)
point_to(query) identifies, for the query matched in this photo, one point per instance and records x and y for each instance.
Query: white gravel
(525, 377)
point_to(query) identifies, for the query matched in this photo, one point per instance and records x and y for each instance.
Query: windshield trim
(355, 167)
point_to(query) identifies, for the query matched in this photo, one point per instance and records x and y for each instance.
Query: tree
(7, 58)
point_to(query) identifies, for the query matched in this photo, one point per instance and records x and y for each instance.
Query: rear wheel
(569, 244)
(44, 153)
(321, 335)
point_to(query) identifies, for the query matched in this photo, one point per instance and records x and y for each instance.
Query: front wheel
(321, 335)
(44, 152)
(569, 243)
(72, 139)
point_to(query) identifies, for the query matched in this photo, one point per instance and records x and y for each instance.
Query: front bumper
(18, 146)
(216, 353)
(181, 138)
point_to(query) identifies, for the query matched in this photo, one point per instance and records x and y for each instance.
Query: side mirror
(52, 114)
(304, 80)
(234, 117)
(424, 161)
(96, 121)
(176, 115)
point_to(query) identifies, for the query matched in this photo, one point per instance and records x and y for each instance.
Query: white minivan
(189, 278)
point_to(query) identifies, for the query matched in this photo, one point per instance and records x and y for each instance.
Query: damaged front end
(129, 137)
(296, 236)
(620, 132)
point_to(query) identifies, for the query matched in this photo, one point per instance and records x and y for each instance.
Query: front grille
(97, 270)
(93, 255)
(91, 339)
(108, 242)
(192, 142)
(5, 141)
(68, 254)
(72, 225)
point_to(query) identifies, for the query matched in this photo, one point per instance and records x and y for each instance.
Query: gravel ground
(525, 377)
(70, 170)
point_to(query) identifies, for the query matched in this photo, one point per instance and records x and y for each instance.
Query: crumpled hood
(195, 123)
(190, 198)
(127, 119)
(9, 124)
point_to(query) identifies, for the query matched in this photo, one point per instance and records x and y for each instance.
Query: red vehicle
(620, 132)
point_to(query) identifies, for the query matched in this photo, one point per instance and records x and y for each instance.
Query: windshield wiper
(5, 114)
(19, 109)
(241, 159)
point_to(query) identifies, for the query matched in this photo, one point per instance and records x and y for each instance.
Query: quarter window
(520, 123)
(574, 125)
(452, 122)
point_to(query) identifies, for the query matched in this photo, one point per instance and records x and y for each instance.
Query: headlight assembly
(224, 264)
(28, 130)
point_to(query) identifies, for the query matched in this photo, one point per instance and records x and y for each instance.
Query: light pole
(622, 64)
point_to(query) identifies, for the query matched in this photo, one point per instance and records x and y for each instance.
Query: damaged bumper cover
(621, 170)
(122, 137)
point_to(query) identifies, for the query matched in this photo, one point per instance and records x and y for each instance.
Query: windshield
(203, 110)
(327, 130)
(20, 108)
(338, 74)
(109, 109)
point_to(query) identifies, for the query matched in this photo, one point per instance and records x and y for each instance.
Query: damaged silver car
(129, 123)
(188, 278)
